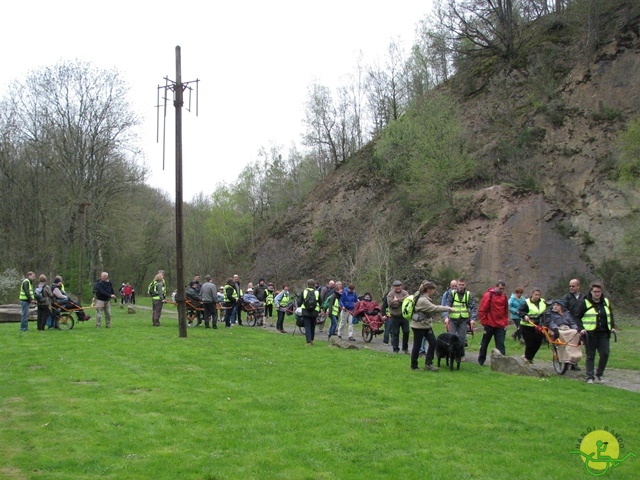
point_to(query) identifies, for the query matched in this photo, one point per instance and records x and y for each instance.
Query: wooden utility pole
(178, 88)
(178, 102)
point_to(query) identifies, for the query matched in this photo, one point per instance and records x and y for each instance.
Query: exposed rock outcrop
(515, 365)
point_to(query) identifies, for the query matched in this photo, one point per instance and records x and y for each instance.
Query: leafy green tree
(69, 158)
(423, 155)
(630, 153)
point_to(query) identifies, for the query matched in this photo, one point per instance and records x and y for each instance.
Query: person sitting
(194, 301)
(366, 305)
(371, 308)
(61, 298)
(250, 299)
(565, 327)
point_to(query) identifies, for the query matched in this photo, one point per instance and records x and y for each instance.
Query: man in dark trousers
(309, 301)
(494, 317)
(595, 321)
(209, 297)
(394, 301)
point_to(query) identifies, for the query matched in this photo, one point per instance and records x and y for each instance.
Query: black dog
(451, 347)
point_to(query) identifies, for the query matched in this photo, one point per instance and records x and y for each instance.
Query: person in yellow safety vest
(26, 299)
(309, 301)
(230, 302)
(281, 301)
(268, 304)
(236, 313)
(595, 321)
(158, 291)
(464, 311)
(532, 313)
(333, 308)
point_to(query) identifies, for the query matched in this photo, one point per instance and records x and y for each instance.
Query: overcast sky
(254, 59)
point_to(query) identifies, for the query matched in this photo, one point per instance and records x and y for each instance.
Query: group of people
(52, 299)
(576, 318)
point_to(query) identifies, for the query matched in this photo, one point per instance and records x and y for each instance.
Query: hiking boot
(431, 368)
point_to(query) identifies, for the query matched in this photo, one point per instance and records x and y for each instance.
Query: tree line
(76, 201)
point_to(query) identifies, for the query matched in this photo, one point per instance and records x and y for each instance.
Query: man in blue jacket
(348, 300)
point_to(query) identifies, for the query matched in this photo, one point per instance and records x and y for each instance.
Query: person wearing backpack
(309, 301)
(348, 300)
(394, 300)
(422, 324)
(42, 295)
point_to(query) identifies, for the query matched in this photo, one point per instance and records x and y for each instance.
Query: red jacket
(494, 309)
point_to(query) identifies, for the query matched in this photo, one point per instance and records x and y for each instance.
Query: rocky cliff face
(578, 217)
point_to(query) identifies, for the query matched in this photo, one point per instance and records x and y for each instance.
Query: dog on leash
(451, 347)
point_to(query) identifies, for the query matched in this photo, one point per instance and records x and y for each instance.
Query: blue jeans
(387, 330)
(498, 333)
(235, 313)
(334, 325)
(24, 319)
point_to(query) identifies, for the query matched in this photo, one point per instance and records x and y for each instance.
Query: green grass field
(137, 402)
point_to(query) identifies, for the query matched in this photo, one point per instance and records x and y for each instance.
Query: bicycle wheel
(251, 319)
(65, 322)
(367, 333)
(558, 366)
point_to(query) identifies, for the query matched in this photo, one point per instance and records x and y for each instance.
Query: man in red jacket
(494, 317)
